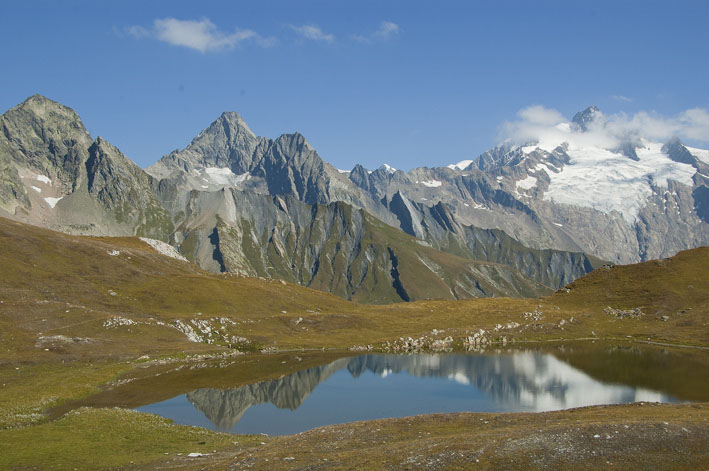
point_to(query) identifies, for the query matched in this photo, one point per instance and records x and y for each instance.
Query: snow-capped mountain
(586, 184)
(232, 201)
(522, 219)
(623, 198)
(618, 179)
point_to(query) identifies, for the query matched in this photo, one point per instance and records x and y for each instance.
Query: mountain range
(517, 221)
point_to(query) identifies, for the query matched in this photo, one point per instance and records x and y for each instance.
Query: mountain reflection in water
(527, 381)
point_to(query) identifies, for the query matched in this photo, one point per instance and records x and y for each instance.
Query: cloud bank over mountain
(550, 128)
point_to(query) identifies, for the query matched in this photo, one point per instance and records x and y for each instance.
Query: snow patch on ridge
(460, 165)
(224, 176)
(163, 248)
(544, 167)
(527, 183)
(701, 154)
(52, 202)
(430, 183)
(43, 179)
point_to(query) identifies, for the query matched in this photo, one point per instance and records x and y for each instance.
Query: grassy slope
(53, 284)
(105, 438)
(631, 437)
(677, 287)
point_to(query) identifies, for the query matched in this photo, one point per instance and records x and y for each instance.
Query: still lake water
(377, 386)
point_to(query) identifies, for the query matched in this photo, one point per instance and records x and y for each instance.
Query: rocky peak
(234, 121)
(226, 143)
(294, 149)
(100, 141)
(125, 191)
(108, 167)
(44, 108)
(677, 152)
(46, 137)
(104, 149)
(42, 118)
(498, 157)
(358, 175)
(583, 118)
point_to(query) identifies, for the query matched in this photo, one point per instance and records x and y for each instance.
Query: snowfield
(527, 183)
(52, 202)
(43, 179)
(431, 183)
(609, 181)
(224, 176)
(701, 154)
(164, 248)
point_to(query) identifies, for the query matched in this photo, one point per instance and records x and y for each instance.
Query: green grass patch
(26, 391)
(106, 438)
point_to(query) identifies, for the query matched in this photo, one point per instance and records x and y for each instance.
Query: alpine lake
(288, 393)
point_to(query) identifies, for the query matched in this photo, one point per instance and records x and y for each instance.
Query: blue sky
(410, 83)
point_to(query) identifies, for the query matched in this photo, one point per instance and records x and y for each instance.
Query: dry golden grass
(58, 291)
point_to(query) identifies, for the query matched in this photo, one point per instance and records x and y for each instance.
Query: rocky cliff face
(48, 138)
(233, 202)
(53, 174)
(227, 155)
(508, 223)
(632, 201)
(623, 209)
(334, 247)
(125, 191)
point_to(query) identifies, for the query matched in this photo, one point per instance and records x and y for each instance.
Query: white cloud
(135, 31)
(538, 114)
(689, 124)
(550, 128)
(313, 33)
(202, 35)
(622, 98)
(386, 30)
